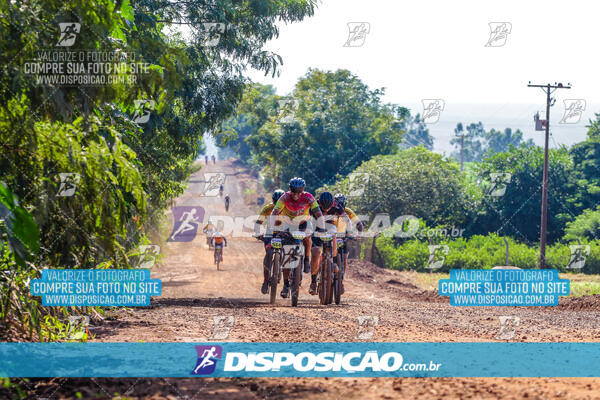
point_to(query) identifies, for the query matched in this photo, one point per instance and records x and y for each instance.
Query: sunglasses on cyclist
(297, 190)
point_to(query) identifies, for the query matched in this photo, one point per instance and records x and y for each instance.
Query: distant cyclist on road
(214, 160)
(227, 202)
(206, 160)
(208, 230)
(294, 208)
(218, 240)
(265, 213)
(221, 190)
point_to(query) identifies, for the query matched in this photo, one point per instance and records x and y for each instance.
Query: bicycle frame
(326, 274)
(284, 258)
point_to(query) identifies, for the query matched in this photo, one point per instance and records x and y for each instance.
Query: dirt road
(194, 292)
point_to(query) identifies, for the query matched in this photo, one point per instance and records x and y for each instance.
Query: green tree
(515, 211)
(585, 225)
(258, 103)
(500, 141)
(473, 142)
(413, 182)
(334, 122)
(417, 133)
(586, 160)
(128, 173)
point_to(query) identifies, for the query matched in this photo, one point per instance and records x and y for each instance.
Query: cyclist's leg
(265, 261)
(315, 255)
(315, 258)
(307, 253)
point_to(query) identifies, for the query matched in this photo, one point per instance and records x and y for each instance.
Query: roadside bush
(482, 252)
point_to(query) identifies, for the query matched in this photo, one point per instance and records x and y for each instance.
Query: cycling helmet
(297, 185)
(341, 200)
(326, 200)
(276, 195)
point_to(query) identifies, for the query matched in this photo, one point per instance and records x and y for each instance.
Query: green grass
(581, 284)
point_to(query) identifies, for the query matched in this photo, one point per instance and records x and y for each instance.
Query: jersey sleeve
(265, 212)
(280, 205)
(352, 215)
(314, 206)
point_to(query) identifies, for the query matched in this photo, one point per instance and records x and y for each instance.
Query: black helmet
(341, 200)
(297, 185)
(326, 200)
(276, 195)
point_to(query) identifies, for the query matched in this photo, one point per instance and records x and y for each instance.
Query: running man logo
(578, 256)
(212, 32)
(186, 220)
(574, 108)
(432, 109)
(366, 326)
(357, 33)
(77, 327)
(358, 181)
(68, 33)
(508, 327)
(222, 325)
(433, 263)
(287, 109)
(498, 33)
(499, 183)
(213, 182)
(207, 359)
(68, 184)
(141, 115)
(148, 254)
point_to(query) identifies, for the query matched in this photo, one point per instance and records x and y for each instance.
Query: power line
(548, 89)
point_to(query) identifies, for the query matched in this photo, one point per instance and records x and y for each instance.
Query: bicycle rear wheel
(325, 279)
(329, 281)
(337, 282)
(296, 276)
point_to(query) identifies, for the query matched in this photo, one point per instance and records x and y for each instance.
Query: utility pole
(548, 89)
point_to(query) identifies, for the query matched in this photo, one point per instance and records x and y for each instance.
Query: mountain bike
(338, 278)
(287, 252)
(218, 254)
(327, 268)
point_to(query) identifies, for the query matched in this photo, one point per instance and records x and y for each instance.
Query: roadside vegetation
(338, 134)
(125, 171)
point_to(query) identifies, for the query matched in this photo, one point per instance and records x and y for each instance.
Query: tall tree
(500, 141)
(333, 123)
(259, 102)
(473, 142)
(512, 183)
(586, 159)
(417, 133)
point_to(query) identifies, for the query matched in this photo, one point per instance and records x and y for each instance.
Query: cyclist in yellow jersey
(208, 230)
(265, 213)
(341, 224)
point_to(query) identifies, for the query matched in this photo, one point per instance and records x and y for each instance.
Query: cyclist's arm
(355, 220)
(316, 212)
(278, 207)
